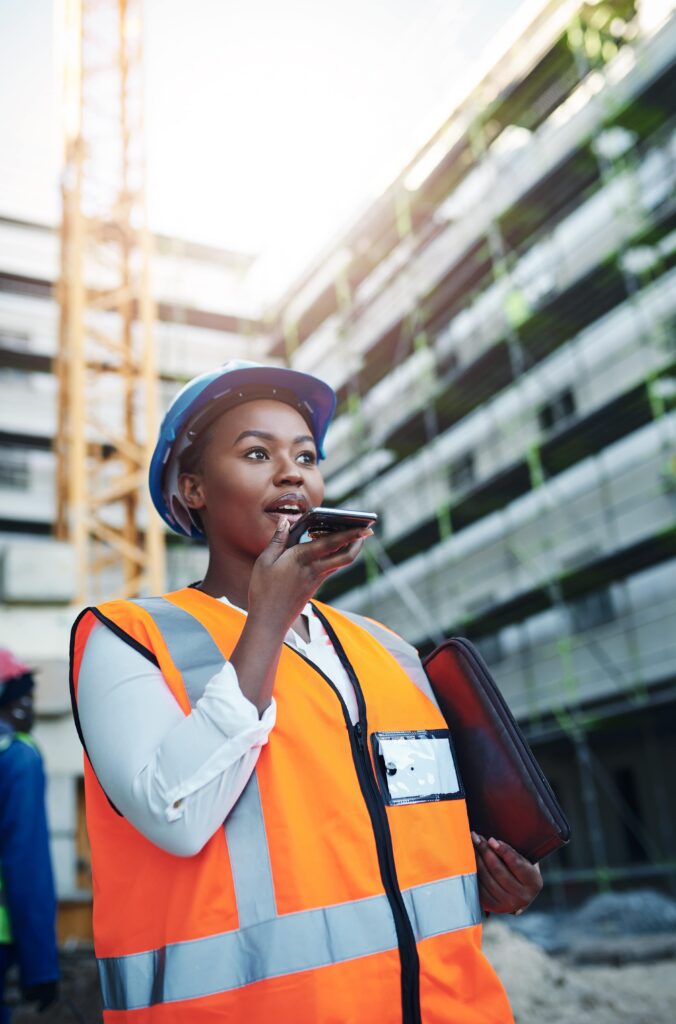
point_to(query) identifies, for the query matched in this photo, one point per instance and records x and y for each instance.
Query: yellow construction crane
(107, 408)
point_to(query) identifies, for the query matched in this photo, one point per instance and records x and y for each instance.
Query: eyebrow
(301, 439)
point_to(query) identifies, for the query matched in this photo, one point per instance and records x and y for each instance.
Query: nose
(288, 470)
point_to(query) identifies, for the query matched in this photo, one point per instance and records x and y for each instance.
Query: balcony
(572, 258)
(29, 329)
(185, 275)
(621, 658)
(604, 362)
(534, 164)
(604, 504)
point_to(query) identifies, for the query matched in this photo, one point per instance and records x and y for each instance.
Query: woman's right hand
(282, 582)
(285, 579)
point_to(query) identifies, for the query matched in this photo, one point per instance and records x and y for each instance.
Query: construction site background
(500, 327)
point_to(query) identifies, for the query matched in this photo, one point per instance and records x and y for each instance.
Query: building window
(631, 815)
(557, 411)
(594, 609)
(477, 607)
(582, 557)
(16, 340)
(462, 472)
(448, 365)
(14, 470)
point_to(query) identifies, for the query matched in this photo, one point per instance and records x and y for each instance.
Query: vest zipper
(408, 952)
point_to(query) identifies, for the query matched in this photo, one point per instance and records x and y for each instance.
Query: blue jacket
(24, 860)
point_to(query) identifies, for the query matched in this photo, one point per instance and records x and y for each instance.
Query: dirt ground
(550, 990)
(543, 989)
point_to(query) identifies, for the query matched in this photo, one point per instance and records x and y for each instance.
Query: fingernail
(494, 843)
(475, 838)
(283, 523)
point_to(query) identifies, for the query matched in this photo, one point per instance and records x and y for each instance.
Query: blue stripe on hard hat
(318, 398)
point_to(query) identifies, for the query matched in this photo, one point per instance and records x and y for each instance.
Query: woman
(253, 858)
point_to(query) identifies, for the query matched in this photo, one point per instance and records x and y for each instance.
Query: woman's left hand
(508, 883)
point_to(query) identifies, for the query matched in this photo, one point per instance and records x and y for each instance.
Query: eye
(307, 458)
(256, 454)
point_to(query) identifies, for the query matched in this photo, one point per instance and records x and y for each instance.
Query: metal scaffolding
(440, 391)
(107, 410)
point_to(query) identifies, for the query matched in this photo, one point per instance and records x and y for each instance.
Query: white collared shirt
(176, 777)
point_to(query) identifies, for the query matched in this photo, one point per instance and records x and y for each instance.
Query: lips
(291, 505)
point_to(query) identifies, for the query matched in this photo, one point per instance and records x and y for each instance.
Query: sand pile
(544, 990)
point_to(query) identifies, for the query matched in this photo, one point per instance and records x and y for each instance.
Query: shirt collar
(314, 625)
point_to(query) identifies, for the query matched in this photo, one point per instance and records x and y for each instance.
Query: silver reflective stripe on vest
(285, 945)
(250, 857)
(192, 649)
(197, 658)
(402, 652)
(432, 906)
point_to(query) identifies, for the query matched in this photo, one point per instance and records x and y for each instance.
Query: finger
(277, 545)
(340, 554)
(484, 870)
(342, 546)
(339, 541)
(502, 876)
(330, 543)
(521, 868)
(342, 557)
(492, 896)
(527, 883)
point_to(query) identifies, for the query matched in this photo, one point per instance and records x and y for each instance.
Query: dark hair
(13, 689)
(191, 460)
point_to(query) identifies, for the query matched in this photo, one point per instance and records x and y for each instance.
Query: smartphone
(319, 521)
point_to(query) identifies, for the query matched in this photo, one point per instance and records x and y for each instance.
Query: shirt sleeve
(26, 867)
(174, 777)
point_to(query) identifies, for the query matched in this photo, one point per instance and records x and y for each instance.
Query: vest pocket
(416, 767)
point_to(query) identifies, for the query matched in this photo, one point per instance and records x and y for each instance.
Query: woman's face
(260, 459)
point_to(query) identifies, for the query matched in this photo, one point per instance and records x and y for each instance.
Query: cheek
(315, 487)
(233, 495)
(226, 485)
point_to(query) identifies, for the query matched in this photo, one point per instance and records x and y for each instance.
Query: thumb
(278, 543)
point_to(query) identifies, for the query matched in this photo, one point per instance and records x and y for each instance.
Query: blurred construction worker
(27, 898)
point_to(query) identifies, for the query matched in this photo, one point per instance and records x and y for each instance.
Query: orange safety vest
(323, 898)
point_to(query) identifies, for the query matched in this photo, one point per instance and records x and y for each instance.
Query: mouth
(293, 506)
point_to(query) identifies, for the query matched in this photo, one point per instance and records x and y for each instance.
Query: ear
(192, 490)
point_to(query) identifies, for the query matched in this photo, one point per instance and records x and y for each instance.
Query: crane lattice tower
(107, 409)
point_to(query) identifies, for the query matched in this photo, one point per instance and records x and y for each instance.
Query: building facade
(500, 328)
(204, 318)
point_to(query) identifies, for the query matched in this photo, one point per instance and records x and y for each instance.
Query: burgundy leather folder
(507, 793)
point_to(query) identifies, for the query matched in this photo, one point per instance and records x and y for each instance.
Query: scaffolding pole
(105, 367)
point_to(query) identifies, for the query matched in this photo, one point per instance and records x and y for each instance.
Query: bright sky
(270, 123)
